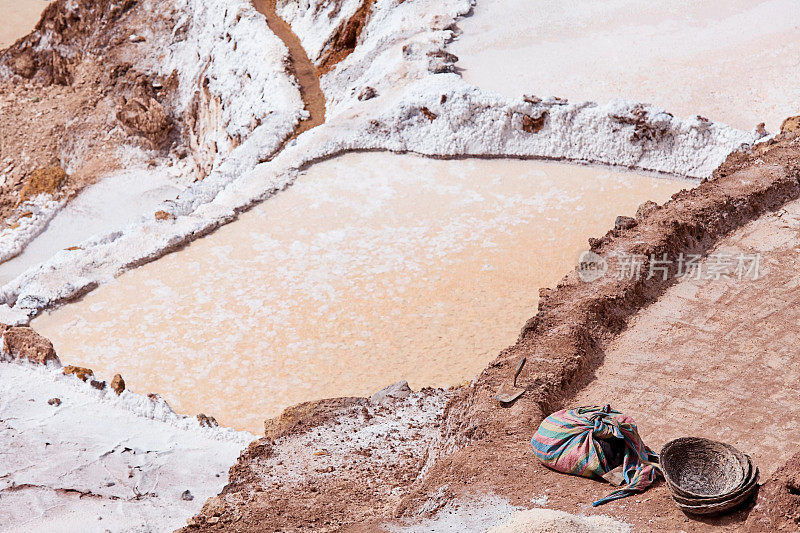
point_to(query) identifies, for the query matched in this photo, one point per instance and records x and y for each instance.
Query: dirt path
(301, 66)
(717, 358)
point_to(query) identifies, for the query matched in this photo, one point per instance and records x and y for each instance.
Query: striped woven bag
(597, 442)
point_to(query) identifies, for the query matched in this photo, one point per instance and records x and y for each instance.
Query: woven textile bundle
(596, 442)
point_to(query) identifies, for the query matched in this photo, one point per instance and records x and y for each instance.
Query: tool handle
(519, 369)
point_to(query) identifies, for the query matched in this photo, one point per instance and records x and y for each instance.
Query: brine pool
(371, 268)
(19, 18)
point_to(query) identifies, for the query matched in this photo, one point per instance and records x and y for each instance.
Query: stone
(790, 124)
(207, 421)
(214, 507)
(43, 181)
(427, 113)
(623, 222)
(118, 384)
(54, 402)
(533, 125)
(99, 385)
(187, 496)
(397, 391)
(446, 56)
(367, 94)
(22, 342)
(163, 215)
(82, 373)
(441, 62)
(647, 126)
(645, 208)
(144, 117)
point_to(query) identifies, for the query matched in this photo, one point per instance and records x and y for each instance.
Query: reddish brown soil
(63, 100)
(778, 503)
(345, 38)
(707, 357)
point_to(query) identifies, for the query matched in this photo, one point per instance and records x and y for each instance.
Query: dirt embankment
(483, 448)
(778, 504)
(71, 95)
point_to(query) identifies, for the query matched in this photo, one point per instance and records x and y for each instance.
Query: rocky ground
(75, 108)
(77, 101)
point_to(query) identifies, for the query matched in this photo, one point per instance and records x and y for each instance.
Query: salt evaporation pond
(372, 268)
(731, 61)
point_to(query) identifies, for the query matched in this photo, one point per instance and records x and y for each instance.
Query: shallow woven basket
(721, 506)
(750, 480)
(702, 468)
(745, 490)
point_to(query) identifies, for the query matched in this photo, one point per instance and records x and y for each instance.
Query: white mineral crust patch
(99, 461)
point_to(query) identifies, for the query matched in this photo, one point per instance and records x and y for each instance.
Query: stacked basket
(707, 477)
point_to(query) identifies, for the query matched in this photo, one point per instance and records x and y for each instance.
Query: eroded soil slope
(71, 96)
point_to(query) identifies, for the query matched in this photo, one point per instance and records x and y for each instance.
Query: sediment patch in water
(372, 268)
